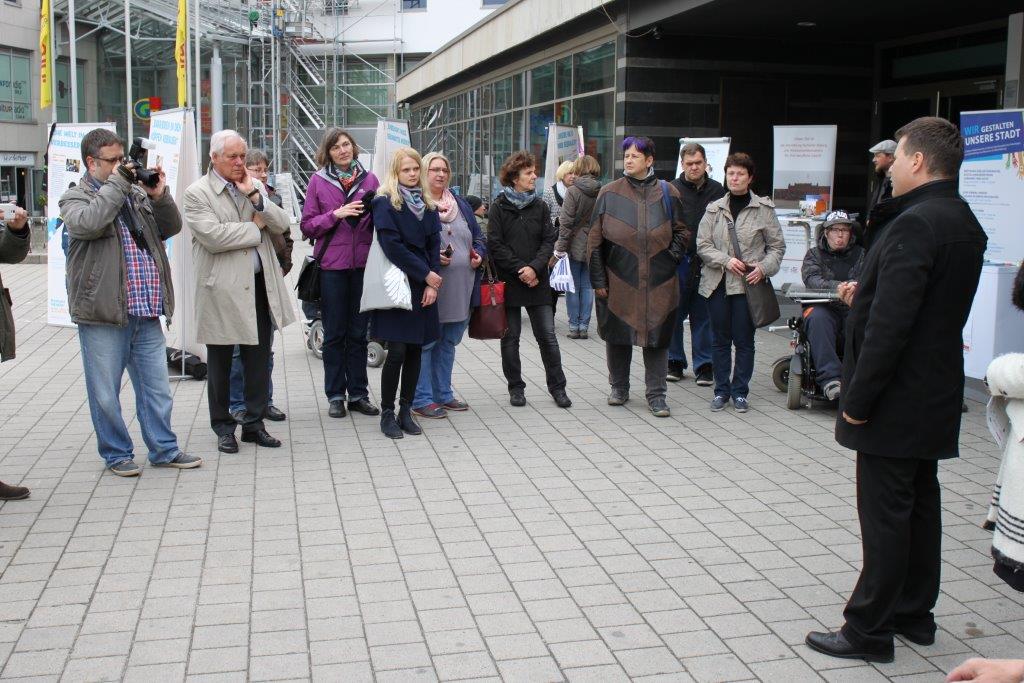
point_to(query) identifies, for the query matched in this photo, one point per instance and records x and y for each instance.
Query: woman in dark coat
(408, 229)
(521, 239)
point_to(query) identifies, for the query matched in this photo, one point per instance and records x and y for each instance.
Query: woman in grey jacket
(722, 278)
(573, 229)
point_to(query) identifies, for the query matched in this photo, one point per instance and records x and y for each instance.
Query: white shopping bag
(561, 276)
(385, 285)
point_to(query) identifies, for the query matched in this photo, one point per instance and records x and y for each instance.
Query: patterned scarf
(520, 200)
(346, 178)
(413, 198)
(447, 206)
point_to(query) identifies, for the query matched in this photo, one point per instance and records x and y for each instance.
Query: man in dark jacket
(881, 159)
(696, 190)
(119, 284)
(14, 243)
(903, 382)
(836, 260)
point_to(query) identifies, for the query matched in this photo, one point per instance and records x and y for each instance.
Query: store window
(542, 83)
(63, 98)
(15, 86)
(594, 69)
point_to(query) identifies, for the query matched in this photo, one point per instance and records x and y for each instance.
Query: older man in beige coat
(241, 297)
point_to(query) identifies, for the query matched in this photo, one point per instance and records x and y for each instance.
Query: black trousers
(542, 320)
(901, 530)
(255, 370)
(402, 363)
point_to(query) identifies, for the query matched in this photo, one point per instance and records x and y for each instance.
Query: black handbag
(761, 299)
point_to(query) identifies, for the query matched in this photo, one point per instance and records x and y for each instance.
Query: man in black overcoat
(903, 382)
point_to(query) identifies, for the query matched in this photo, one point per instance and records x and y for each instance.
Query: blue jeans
(694, 306)
(344, 334)
(580, 303)
(138, 347)
(436, 363)
(237, 401)
(731, 326)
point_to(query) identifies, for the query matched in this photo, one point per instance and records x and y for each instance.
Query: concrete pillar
(1013, 98)
(216, 89)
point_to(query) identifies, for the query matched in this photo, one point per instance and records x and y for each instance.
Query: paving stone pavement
(530, 544)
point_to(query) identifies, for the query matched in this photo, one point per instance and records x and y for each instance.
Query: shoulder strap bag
(489, 320)
(761, 299)
(308, 283)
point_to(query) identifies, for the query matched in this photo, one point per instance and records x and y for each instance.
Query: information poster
(716, 150)
(65, 168)
(799, 233)
(173, 134)
(565, 143)
(992, 179)
(805, 159)
(391, 135)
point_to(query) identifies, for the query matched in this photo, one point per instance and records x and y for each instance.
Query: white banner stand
(565, 143)
(173, 133)
(65, 168)
(391, 135)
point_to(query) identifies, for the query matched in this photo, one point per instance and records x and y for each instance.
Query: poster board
(565, 143)
(992, 179)
(173, 134)
(391, 135)
(799, 233)
(805, 159)
(716, 150)
(65, 167)
(284, 185)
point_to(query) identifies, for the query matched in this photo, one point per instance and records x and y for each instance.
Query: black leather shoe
(227, 444)
(8, 492)
(389, 425)
(337, 409)
(363, 406)
(517, 398)
(274, 413)
(406, 420)
(836, 645)
(562, 399)
(261, 438)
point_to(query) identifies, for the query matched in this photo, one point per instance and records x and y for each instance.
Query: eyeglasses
(112, 160)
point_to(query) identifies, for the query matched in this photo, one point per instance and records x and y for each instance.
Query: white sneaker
(832, 390)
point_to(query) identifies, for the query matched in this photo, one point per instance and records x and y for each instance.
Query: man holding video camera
(119, 283)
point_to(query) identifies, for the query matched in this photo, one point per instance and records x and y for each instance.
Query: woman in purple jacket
(337, 215)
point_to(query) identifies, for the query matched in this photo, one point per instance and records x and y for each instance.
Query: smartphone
(448, 251)
(8, 211)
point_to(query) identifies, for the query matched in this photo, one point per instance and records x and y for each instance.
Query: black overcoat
(903, 367)
(517, 238)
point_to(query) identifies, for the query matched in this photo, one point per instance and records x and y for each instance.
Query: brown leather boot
(8, 492)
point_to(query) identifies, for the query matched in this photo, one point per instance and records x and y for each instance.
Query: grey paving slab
(532, 544)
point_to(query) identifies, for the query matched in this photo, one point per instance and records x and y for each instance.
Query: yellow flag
(179, 51)
(45, 58)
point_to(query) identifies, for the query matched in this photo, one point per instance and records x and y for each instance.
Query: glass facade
(15, 86)
(478, 128)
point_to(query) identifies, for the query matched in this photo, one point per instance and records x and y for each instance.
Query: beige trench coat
(758, 232)
(223, 237)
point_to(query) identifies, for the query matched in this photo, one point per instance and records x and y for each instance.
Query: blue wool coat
(414, 246)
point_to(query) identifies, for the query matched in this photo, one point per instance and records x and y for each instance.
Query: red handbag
(489, 320)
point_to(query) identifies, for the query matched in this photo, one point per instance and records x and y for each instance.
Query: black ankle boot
(406, 421)
(389, 425)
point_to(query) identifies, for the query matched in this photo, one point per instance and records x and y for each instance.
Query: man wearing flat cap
(882, 156)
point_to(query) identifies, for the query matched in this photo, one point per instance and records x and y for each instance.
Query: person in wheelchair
(836, 259)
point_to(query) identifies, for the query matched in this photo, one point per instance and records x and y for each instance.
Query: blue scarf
(413, 198)
(520, 200)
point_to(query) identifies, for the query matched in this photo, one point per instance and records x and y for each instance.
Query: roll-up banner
(65, 168)
(391, 135)
(565, 143)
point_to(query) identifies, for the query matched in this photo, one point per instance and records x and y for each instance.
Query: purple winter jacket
(350, 246)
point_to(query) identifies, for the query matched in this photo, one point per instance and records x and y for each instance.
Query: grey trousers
(655, 369)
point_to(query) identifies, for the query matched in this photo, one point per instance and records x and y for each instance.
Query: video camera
(137, 165)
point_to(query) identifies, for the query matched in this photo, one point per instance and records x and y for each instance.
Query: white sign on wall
(805, 159)
(65, 168)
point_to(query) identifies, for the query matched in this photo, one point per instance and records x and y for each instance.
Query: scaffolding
(288, 83)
